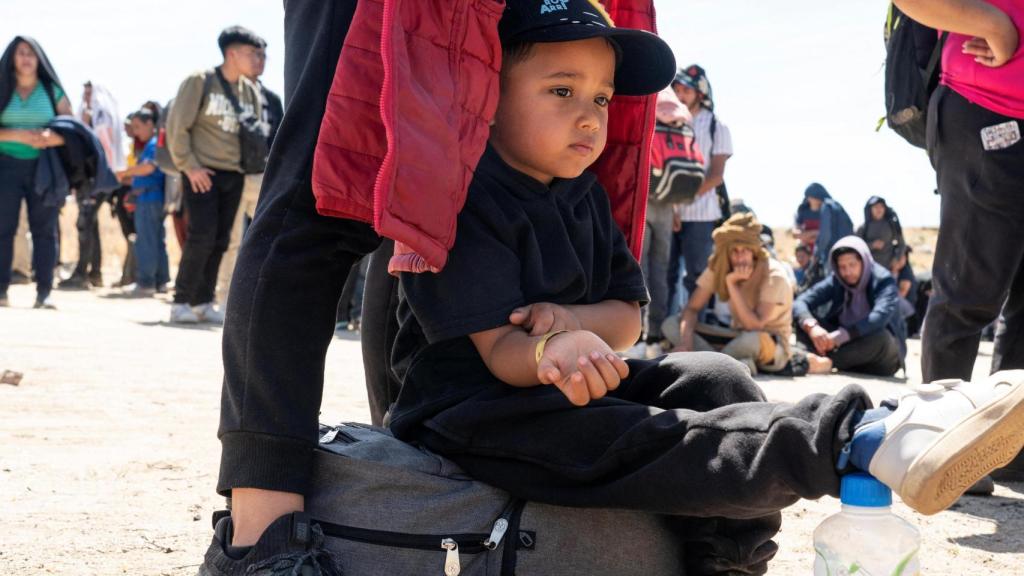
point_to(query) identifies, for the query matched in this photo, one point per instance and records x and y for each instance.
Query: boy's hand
(581, 365)
(543, 317)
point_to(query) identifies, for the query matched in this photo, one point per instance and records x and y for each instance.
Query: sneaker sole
(963, 455)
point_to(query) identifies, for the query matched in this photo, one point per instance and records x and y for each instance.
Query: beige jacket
(202, 130)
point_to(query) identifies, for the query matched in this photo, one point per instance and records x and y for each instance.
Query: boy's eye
(562, 92)
(603, 101)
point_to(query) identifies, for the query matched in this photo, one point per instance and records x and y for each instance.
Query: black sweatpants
(289, 275)
(876, 354)
(211, 215)
(90, 252)
(686, 434)
(979, 257)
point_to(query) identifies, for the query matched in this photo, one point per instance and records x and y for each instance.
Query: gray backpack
(388, 508)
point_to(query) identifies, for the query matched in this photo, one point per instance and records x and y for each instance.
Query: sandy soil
(108, 454)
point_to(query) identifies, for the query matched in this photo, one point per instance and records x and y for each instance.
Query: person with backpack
(31, 95)
(976, 117)
(270, 114)
(213, 115)
(692, 243)
(658, 225)
(882, 232)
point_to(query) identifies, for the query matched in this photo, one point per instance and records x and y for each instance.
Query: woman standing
(30, 96)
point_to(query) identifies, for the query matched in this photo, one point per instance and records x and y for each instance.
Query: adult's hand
(740, 274)
(993, 53)
(823, 343)
(200, 179)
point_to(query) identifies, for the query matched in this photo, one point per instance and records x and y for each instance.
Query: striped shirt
(33, 112)
(705, 208)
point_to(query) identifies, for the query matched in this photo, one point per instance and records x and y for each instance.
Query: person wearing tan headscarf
(742, 274)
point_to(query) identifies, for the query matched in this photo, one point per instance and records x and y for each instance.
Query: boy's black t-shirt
(519, 242)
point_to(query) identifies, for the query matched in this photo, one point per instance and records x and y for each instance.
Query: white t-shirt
(705, 208)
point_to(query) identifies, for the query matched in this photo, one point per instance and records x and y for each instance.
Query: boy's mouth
(583, 148)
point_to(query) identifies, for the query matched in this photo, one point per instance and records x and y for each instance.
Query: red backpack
(677, 165)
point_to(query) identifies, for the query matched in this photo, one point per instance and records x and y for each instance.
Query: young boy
(148, 187)
(507, 355)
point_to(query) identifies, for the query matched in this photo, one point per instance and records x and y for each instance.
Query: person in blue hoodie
(852, 316)
(835, 224)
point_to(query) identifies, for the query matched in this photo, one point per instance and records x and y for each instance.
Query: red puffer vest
(407, 120)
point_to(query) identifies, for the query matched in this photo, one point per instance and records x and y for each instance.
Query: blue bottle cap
(862, 489)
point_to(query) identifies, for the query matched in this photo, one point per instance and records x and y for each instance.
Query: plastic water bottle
(866, 538)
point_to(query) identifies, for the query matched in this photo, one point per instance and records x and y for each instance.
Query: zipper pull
(497, 533)
(329, 436)
(451, 560)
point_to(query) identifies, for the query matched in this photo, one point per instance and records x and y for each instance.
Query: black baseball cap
(647, 63)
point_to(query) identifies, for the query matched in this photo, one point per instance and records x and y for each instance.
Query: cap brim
(647, 64)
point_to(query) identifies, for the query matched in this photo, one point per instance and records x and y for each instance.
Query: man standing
(692, 242)
(204, 141)
(270, 116)
(852, 316)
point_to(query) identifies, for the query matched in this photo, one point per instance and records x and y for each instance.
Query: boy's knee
(726, 378)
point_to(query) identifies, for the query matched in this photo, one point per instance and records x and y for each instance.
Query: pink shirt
(1000, 90)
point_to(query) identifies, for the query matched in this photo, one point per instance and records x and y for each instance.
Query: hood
(889, 213)
(857, 244)
(818, 191)
(45, 70)
(670, 110)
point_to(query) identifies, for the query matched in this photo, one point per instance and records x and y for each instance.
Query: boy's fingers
(596, 386)
(608, 373)
(619, 364)
(574, 388)
(542, 323)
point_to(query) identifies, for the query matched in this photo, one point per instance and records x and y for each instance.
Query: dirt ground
(108, 453)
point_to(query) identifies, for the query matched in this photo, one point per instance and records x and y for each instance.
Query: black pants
(686, 434)
(979, 257)
(90, 252)
(876, 354)
(288, 278)
(211, 215)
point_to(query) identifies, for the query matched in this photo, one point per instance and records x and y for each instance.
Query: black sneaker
(292, 544)
(74, 283)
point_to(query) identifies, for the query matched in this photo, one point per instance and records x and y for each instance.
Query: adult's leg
(42, 221)
(658, 245)
(379, 325)
(228, 187)
(202, 238)
(1009, 348)
(697, 247)
(246, 209)
(675, 272)
(290, 271)
(13, 186)
(877, 354)
(22, 261)
(980, 248)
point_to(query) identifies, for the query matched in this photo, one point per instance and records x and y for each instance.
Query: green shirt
(33, 112)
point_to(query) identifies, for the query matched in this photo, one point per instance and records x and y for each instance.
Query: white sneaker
(653, 351)
(183, 314)
(209, 313)
(947, 436)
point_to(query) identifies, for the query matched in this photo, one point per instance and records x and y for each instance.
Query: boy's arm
(617, 322)
(578, 362)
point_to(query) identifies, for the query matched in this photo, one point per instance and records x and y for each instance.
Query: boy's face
(552, 118)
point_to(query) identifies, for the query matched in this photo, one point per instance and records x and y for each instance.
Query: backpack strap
(935, 59)
(227, 91)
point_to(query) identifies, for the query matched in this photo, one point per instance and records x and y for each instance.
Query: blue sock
(868, 433)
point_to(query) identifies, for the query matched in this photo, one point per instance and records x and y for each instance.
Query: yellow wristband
(543, 342)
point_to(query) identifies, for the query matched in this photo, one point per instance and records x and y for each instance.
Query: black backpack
(913, 54)
(251, 134)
